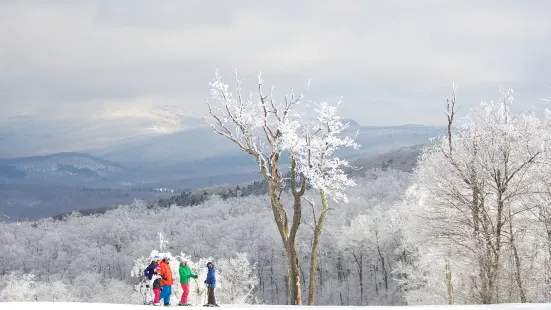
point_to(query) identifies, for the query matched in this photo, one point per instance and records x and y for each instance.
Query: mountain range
(145, 166)
(184, 159)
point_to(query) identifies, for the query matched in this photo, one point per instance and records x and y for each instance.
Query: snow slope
(93, 306)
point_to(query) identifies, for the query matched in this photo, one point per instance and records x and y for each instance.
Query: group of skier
(160, 281)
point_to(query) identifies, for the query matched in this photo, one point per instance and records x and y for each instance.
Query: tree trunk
(518, 277)
(294, 274)
(497, 247)
(359, 262)
(288, 232)
(449, 282)
(289, 243)
(545, 218)
(317, 235)
(384, 271)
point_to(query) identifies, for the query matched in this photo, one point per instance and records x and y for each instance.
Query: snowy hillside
(63, 164)
(90, 306)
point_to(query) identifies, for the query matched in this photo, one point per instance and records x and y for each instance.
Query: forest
(471, 224)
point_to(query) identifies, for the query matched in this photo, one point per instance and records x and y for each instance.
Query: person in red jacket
(166, 281)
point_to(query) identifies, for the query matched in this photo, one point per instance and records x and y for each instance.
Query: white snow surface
(104, 306)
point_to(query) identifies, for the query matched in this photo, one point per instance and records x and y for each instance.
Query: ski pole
(197, 292)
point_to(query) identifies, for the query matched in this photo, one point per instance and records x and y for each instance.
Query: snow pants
(185, 294)
(157, 292)
(211, 299)
(165, 294)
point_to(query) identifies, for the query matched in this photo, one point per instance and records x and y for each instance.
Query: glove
(195, 277)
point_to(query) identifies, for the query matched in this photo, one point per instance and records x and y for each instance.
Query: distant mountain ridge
(174, 160)
(69, 166)
(102, 129)
(201, 143)
(30, 159)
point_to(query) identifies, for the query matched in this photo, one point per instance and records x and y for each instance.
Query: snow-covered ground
(93, 306)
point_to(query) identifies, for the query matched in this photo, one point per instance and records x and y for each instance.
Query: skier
(157, 285)
(211, 284)
(166, 281)
(185, 274)
(148, 273)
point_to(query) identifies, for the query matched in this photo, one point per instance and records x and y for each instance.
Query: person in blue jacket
(148, 273)
(211, 284)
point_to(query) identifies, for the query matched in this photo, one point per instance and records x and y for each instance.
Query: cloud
(86, 59)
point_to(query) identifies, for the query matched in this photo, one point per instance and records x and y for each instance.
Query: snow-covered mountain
(203, 144)
(151, 135)
(59, 166)
(30, 136)
(183, 155)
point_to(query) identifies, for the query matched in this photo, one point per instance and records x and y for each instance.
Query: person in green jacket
(185, 274)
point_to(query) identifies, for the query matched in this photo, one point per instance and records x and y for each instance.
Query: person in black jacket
(148, 273)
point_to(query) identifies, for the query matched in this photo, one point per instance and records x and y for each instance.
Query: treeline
(190, 198)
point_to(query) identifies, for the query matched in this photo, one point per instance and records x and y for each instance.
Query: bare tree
(264, 128)
(472, 182)
(253, 124)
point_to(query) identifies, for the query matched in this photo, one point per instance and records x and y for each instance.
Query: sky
(392, 62)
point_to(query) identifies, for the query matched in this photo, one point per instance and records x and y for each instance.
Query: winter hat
(166, 257)
(156, 258)
(210, 265)
(183, 259)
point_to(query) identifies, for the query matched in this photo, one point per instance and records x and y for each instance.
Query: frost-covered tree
(372, 243)
(467, 200)
(239, 278)
(19, 287)
(55, 291)
(24, 287)
(264, 128)
(253, 124)
(93, 287)
(313, 145)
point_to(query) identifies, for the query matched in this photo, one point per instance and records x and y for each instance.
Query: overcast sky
(392, 61)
